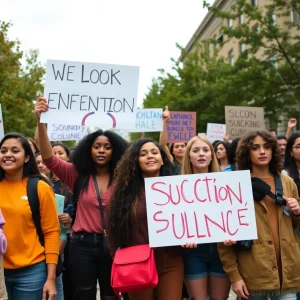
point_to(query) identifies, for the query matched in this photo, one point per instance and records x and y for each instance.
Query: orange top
(23, 246)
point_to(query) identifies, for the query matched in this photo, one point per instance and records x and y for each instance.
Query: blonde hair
(186, 164)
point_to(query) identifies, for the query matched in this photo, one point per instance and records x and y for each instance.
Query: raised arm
(164, 134)
(36, 137)
(65, 171)
(291, 125)
(45, 145)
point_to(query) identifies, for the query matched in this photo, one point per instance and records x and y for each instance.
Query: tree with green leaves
(205, 83)
(20, 83)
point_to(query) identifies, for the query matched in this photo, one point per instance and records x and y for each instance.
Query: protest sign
(148, 120)
(1, 124)
(200, 208)
(243, 119)
(215, 132)
(60, 202)
(61, 132)
(80, 93)
(181, 127)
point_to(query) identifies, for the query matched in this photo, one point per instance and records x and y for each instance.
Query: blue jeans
(291, 296)
(59, 288)
(202, 261)
(26, 283)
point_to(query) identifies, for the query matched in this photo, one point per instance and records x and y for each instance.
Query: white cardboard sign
(86, 94)
(200, 208)
(215, 131)
(62, 132)
(148, 120)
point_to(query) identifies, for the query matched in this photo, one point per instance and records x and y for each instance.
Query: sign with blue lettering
(148, 120)
(62, 132)
(182, 126)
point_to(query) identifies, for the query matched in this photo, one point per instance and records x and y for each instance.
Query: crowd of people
(46, 255)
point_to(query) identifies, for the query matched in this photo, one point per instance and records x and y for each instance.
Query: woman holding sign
(90, 176)
(203, 271)
(128, 217)
(269, 266)
(175, 151)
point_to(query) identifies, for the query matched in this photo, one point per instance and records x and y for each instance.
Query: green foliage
(20, 84)
(205, 83)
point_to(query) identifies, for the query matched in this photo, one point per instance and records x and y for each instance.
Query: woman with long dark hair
(232, 153)
(292, 159)
(128, 217)
(270, 266)
(30, 267)
(222, 154)
(91, 171)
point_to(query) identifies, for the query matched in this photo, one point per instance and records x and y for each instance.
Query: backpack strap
(34, 203)
(279, 190)
(80, 182)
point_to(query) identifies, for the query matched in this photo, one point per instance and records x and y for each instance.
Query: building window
(230, 23)
(274, 61)
(231, 57)
(241, 18)
(295, 16)
(272, 17)
(220, 37)
(242, 47)
(215, 43)
(254, 3)
(256, 28)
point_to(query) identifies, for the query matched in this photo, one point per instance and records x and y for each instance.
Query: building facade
(211, 28)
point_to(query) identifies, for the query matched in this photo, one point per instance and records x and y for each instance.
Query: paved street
(232, 295)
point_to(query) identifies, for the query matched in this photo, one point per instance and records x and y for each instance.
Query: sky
(133, 32)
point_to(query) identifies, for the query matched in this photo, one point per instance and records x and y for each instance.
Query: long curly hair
(289, 160)
(128, 187)
(82, 159)
(186, 164)
(243, 152)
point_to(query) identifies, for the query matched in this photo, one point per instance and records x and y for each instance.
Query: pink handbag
(134, 269)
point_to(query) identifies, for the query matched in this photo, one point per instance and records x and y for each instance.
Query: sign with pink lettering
(200, 208)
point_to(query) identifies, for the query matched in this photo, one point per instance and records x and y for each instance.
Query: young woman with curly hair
(128, 216)
(203, 271)
(94, 160)
(270, 268)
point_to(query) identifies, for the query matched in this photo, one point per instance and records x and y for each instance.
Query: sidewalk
(232, 295)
